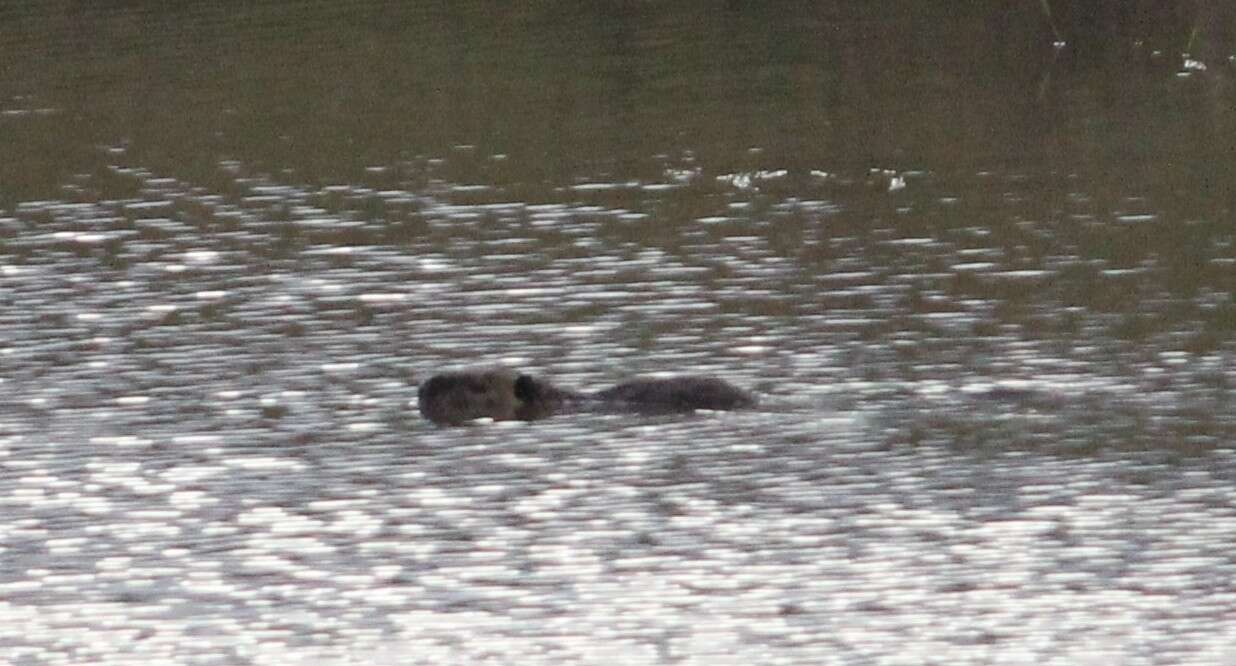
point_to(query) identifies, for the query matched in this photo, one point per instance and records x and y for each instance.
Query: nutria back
(455, 398)
(678, 394)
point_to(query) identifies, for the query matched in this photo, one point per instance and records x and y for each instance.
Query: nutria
(502, 395)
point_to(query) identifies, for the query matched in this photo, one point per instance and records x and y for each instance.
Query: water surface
(986, 303)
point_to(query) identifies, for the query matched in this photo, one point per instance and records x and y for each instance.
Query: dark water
(984, 289)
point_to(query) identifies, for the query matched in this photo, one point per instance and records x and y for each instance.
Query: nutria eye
(525, 388)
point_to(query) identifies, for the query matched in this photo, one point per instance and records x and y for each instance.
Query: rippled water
(983, 287)
(967, 449)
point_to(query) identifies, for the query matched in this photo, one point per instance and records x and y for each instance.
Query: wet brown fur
(455, 398)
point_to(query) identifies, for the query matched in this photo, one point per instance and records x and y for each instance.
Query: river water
(987, 306)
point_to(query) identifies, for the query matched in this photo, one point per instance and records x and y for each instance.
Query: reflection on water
(210, 445)
(992, 335)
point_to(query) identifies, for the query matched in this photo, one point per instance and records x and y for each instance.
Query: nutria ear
(526, 389)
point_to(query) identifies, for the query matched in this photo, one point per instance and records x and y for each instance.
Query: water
(992, 339)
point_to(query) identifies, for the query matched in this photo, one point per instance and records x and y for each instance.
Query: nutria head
(457, 397)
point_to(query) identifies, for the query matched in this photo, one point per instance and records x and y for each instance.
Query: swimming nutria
(502, 395)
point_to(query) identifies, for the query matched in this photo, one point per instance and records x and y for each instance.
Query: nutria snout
(457, 397)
